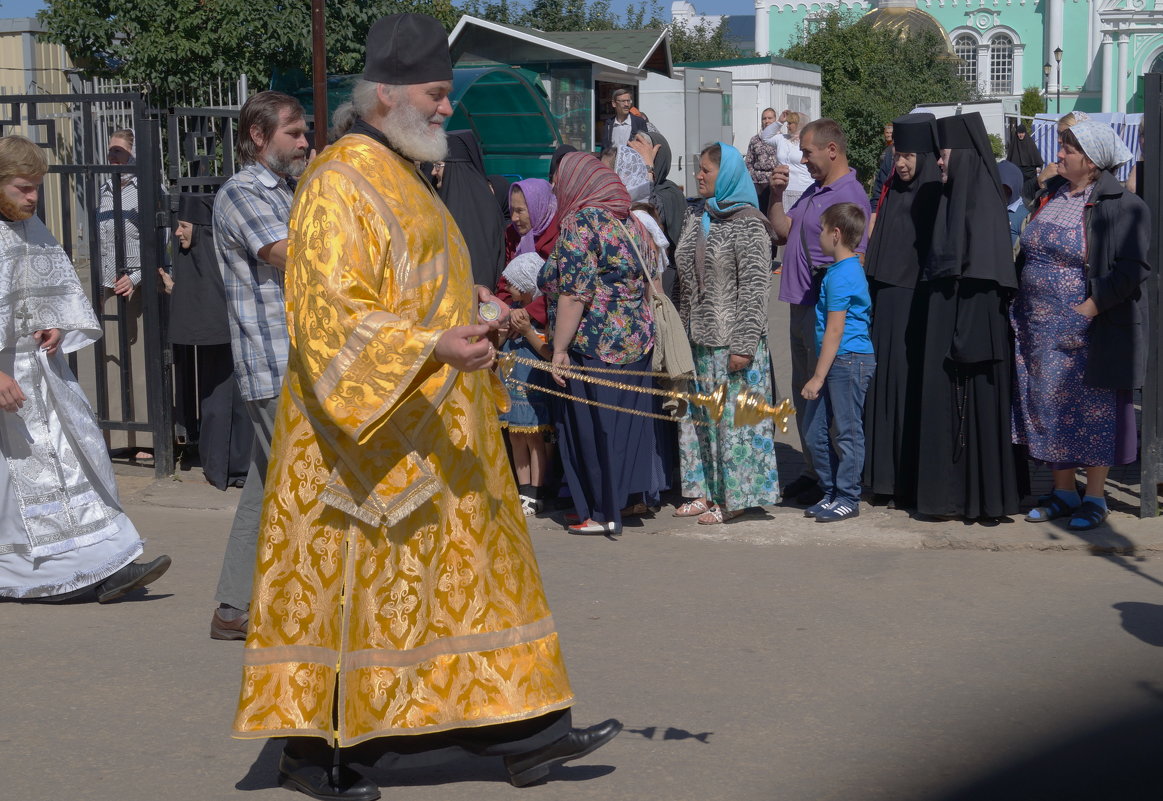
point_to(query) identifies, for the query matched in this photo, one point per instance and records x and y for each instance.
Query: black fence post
(153, 223)
(1151, 448)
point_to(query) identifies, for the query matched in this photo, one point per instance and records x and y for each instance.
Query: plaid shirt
(251, 211)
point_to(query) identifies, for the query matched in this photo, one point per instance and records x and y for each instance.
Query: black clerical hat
(915, 133)
(407, 49)
(953, 132)
(196, 208)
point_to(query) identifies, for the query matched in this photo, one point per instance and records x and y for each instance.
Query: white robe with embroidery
(61, 523)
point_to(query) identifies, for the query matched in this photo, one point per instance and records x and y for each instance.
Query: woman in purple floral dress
(600, 318)
(1077, 322)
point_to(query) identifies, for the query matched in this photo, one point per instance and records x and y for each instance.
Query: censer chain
(549, 367)
(610, 406)
(575, 372)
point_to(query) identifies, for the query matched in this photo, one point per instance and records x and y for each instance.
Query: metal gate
(1151, 451)
(94, 207)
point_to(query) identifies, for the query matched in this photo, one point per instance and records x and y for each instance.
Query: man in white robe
(63, 534)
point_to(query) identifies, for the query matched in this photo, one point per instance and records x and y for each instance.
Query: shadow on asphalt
(1115, 762)
(264, 771)
(1143, 621)
(670, 733)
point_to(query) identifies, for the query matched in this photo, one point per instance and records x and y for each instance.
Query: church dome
(903, 17)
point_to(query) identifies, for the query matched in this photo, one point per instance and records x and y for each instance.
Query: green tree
(869, 76)
(1032, 102)
(167, 45)
(702, 43)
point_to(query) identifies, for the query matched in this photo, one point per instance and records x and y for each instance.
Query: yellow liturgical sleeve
(364, 358)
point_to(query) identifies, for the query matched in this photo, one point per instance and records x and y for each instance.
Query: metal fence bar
(152, 218)
(1151, 444)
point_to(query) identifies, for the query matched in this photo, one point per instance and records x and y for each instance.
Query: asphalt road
(742, 668)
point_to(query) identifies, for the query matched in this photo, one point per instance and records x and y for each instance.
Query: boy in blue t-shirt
(844, 367)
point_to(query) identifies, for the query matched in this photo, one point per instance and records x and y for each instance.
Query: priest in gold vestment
(398, 604)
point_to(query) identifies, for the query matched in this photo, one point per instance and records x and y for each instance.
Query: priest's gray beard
(410, 133)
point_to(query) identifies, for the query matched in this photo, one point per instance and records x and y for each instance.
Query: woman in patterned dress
(600, 318)
(1079, 343)
(724, 273)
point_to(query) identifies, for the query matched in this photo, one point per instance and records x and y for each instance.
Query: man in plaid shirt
(251, 212)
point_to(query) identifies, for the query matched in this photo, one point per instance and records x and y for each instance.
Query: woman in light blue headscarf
(724, 268)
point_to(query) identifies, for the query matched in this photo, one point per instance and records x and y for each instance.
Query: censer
(749, 406)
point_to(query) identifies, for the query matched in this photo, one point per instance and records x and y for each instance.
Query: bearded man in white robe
(63, 534)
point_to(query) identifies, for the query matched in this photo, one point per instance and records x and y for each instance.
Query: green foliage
(870, 76)
(995, 144)
(1032, 102)
(702, 43)
(167, 45)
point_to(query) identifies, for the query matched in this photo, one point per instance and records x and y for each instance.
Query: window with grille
(965, 47)
(1001, 65)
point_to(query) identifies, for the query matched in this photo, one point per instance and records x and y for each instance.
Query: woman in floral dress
(724, 273)
(1077, 322)
(599, 317)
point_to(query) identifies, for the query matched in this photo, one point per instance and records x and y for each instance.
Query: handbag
(672, 347)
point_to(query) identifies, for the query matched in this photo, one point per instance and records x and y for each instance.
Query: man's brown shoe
(229, 624)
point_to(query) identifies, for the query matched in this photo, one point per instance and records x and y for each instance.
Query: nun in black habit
(897, 252)
(208, 403)
(465, 191)
(1023, 151)
(967, 467)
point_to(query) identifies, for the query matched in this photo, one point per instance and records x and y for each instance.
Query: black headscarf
(557, 154)
(665, 194)
(1023, 152)
(198, 303)
(971, 238)
(900, 243)
(500, 186)
(465, 191)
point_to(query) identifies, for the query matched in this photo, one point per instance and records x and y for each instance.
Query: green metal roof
(647, 49)
(627, 47)
(742, 62)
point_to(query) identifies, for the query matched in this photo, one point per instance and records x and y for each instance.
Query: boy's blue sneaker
(838, 510)
(815, 509)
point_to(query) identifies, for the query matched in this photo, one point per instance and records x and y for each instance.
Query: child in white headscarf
(527, 422)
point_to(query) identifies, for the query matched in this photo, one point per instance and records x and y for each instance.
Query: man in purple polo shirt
(825, 154)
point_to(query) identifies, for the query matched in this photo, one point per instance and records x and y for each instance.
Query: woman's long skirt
(608, 453)
(732, 465)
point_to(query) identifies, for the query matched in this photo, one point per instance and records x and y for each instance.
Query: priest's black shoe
(130, 577)
(527, 768)
(325, 782)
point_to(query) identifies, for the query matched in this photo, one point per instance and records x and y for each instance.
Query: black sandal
(1091, 514)
(1050, 507)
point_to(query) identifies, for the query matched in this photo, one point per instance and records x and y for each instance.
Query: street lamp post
(1046, 84)
(1058, 59)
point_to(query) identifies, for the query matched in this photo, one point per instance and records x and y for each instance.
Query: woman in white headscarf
(1079, 324)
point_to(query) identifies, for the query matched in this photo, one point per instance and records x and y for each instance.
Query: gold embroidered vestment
(393, 553)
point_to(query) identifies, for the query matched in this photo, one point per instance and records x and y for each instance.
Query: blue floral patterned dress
(1056, 415)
